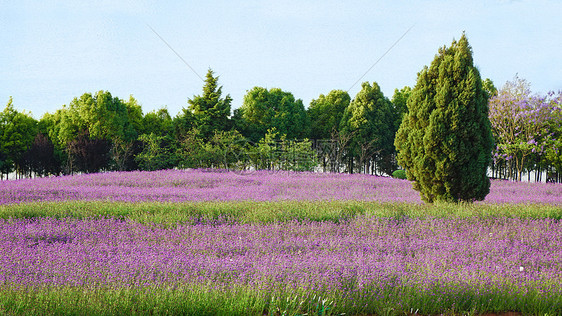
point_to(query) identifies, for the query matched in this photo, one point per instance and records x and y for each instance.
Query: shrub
(399, 174)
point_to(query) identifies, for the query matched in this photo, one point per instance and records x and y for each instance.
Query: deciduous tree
(266, 109)
(370, 117)
(523, 124)
(326, 113)
(17, 132)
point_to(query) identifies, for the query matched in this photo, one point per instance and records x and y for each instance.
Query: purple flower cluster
(365, 255)
(199, 185)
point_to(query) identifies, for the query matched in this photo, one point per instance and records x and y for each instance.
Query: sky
(53, 51)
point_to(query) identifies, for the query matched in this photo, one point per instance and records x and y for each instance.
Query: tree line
(272, 130)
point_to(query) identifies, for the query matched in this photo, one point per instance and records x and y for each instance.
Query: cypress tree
(445, 139)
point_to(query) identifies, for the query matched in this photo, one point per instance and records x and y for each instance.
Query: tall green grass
(266, 212)
(207, 300)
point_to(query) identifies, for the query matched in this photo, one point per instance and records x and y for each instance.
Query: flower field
(274, 244)
(197, 185)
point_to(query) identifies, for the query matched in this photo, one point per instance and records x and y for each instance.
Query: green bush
(399, 174)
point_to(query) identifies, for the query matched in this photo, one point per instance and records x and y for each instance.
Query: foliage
(40, 156)
(17, 132)
(134, 115)
(275, 152)
(49, 125)
(158, 122)
(183, 123)
(157, 153)
(399, 174)
(265, 109)
(326, 113)
(489, 88)
(400, 105)
(121, 153)
(210, 112)
(87, 154)
(523, 124)
(445, 140)
(191, 150)
(204, 135)
(95, 121)
(370, 118)
(553, 147)
(101, 115)
(226, 148)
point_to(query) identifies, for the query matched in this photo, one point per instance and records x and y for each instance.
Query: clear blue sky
(53, 51)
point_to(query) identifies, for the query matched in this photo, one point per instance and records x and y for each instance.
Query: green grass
(265, 212)
(207, 300)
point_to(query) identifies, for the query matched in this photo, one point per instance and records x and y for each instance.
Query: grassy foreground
(202, 300)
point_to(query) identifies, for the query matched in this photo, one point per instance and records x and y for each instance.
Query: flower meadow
(201, 185)
(277, 244)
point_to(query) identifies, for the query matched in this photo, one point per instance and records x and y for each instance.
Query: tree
(266, 109)
(158, 122)
(40, 157)
(276, 152)
(400, 104)
(370, 117)
(523, 124)
(3, 165)
(226, 148)
(445, 140)
(326, 113)
(183, 123)
(134, 119)
(191, 150)
(211, 112)
(123, 147)
(105, 117)
(88, 154)
(158, 152)
(17, 132)
(553, 148)
(49, 125)
(102, 118)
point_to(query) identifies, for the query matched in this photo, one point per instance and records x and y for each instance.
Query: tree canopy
(370, 118)
(326, 113)
(266, 109)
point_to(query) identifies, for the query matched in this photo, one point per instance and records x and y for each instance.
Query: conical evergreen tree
(211, 112)
(445, 139)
